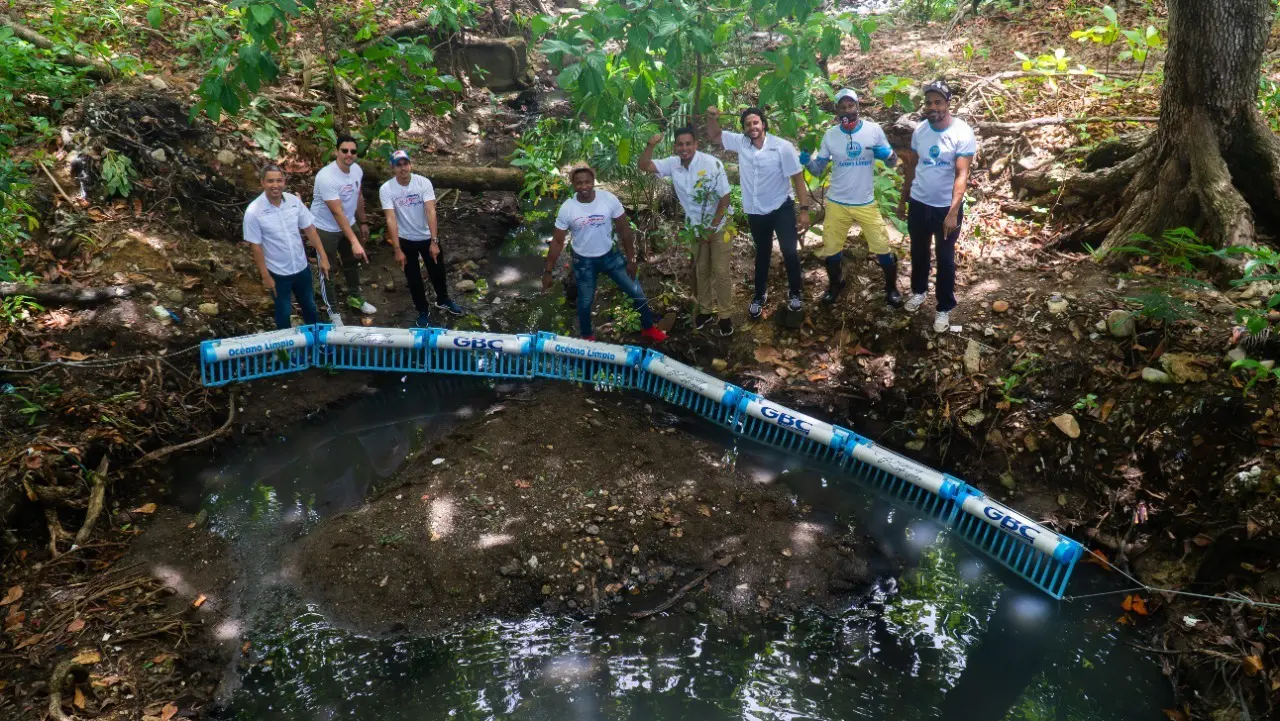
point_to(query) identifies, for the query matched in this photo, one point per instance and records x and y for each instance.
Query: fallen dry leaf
(75, 626)
(145, 508)
(199, 601)
(1253, 665)
(1107, 406)
(766, 354)
(1202, 540)
(164, 657)
(14, 619)
(168, 712)
(1174, 714)
(87, 657)
(1135, 604)
(29, 641)
(705, 510)
(12, 596)
(78, 700)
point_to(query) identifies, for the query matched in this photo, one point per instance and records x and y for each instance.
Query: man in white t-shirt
(271, 225)
(593, 216)
(409, 202)
(936, 174)
(337, 204)
(852, 146)
(702, 187)
(768, 170)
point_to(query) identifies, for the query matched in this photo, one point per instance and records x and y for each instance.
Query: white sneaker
(914, 302)
(368, 308)
(942, 321)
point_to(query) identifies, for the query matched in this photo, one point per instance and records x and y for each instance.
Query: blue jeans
(297, 286)
(613, 265)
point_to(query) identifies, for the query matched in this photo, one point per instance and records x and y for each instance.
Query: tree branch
(97, 70)
(992, 128)
(170, 450)
(50, 294)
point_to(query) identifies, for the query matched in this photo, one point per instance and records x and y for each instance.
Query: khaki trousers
(711, 275)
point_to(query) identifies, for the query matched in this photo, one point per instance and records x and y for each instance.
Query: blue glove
(804, 157)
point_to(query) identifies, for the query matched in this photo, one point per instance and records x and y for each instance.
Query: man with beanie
(409, 202)
(853, 146)
(935, 176)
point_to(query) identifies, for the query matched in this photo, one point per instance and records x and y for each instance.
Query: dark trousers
(293, 286)
(613, 265)
(413, 249)
(337, 246)
(924, 225)
(781, 222)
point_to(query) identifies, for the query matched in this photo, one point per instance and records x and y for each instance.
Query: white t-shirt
(699, 187)
(276, 230)
(854, 158)
(410, 203)
(765, 173)
(333, 184)
(938, 150)
(591, 223)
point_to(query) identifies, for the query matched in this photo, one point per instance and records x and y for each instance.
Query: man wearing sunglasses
(337, 205)
(853, 146)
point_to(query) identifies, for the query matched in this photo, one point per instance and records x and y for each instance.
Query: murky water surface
(952, 639)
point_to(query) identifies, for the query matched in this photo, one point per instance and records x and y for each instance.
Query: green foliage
(1161, 307)
(32, 84)
(887, 183)
(1269, 101)
(17, 219)
(1058, 63)
(626, 319)
(394, 77)
(896, 92)
(926, 10)
(1006, 386)
(631, 68)
(1141, 42)
(1178, 248)
(118, 174)
(15, 308)
(1089, 402)
(1101, 34)
(317, 125)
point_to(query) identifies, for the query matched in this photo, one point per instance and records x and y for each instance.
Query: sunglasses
(346, 151)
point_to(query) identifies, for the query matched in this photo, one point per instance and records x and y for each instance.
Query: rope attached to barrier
(91, 364)
(1233, 598)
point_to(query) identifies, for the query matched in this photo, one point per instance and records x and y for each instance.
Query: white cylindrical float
(794, 421)
(372, 337)
(621, 355)
(902, 467)
(250, 345)
(477, 341)
(695, 380)
(1021, 528)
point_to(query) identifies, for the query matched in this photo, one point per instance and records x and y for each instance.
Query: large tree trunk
(1213, 164)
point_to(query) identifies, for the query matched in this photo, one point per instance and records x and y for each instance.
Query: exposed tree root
(66, 295)
(97, 498)
(1099, 183)
(56, 681)
(169, 450)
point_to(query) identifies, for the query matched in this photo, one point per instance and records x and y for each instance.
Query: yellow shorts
(840, 218)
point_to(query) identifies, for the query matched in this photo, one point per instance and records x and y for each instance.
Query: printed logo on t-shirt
(345, 191)
(409, 200)
(854, 150)
(594, 220)
(935, 158)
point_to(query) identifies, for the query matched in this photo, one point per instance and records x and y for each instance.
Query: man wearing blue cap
(853, 145)
(935, 177)
(409, 202)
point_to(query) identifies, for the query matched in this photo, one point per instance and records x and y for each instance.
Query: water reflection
(943, 635)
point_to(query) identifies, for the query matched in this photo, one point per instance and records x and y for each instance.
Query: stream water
(951, 639)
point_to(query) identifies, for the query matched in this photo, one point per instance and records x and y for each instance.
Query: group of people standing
(273, 220)
(775, 200)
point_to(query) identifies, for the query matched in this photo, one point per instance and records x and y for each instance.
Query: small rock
(510, 569)
(719, 364)
(533, 562)
(720, 617)
(546, 589)
(1030, 442)
(690, 607)
(1152, 375)
(226, 157)
(465, 286)
(437, 462)
(209, 309)
(915, 445)
(972, 358)
(1007, 480)
(1120, 323)
(174, 296)
(1236, 354)
(999, 165)
(158, 155)
(1062, 499)
(390, 286)
(1057, 304)
(158, 84)
(593, 530)
(1067, 424)
(973, 416)
(1000, 306)
(1030, 162)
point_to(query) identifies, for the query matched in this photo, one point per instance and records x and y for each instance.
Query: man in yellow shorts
(853, 146)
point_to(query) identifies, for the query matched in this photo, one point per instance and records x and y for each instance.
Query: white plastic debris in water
(1191, 621)
(437, 461)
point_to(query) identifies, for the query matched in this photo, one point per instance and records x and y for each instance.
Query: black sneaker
(424, 320)
(725, 326)
(701, 320)
(756, 308)
(449, 306)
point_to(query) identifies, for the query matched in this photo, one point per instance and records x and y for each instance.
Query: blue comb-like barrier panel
(1037, 554)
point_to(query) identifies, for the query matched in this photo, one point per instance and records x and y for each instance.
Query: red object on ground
(654, 334)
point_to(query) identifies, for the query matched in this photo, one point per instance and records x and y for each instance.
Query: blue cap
(398, 155)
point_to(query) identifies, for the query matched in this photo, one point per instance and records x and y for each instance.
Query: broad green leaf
(264, 14)
(155, 16)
